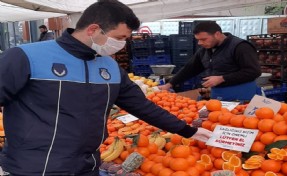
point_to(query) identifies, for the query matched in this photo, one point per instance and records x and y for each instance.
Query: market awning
(11, 13)
(147, 10)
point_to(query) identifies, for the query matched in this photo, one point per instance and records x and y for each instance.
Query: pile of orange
(188, 157)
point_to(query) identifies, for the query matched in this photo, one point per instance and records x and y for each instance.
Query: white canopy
(10, 13)
(146, 10)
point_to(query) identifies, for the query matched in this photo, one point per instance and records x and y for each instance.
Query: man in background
(45, 34)
(227, 64)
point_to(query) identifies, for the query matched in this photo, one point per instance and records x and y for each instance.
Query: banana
(160, 142)
(151, 139)
(110, 150)
(167, 135)
(118, 148)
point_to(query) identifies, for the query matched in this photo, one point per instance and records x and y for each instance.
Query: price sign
(127, 118)
(259, 102)
(238, 139)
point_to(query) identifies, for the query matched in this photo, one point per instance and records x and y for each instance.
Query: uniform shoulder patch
(59, 69)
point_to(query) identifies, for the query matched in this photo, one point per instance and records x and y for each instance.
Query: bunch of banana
(158, 140)
(113, 151)
(167, 135)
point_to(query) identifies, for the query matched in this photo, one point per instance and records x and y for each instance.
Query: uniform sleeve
(247, 60)
(132, 99)
(192, 68)
(14, 74)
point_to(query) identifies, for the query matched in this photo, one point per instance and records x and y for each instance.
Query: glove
(202, 135)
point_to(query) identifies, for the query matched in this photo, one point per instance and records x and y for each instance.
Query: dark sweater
(244, 66)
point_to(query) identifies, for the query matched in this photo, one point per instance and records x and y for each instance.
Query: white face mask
(109, 48)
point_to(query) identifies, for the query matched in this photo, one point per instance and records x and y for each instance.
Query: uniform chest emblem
(59, 70)
(105, 74)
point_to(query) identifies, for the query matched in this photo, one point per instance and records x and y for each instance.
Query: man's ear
(92, 29)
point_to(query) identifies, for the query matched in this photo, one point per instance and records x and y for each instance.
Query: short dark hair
(43, 26)
(108, 14)
(211, 27)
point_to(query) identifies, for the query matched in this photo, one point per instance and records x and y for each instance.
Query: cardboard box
(277, 25)
(192, 94)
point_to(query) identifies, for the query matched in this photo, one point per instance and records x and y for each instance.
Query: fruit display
(272, 53)
(147, 85)
(167, 154)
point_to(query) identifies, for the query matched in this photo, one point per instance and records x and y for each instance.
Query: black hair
(43, 26)
(108, 14)
(211, 27)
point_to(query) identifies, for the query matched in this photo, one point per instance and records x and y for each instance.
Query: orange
(165, 172)
(264, 113)
(206, 161)
(277, 154)
(242, 173)
(206, 124)
(235, 161)
(179, 173)
(166, 160)
(175, 139)
(146, 166)
(200, 168)
(213, 116)
(217, 152)
(124, 155)
(191, 160)
(142, 141)
(258, 135)
(278, 117)
(180, 151)
(267, 138)
(226, 155)
(206, 173)
(213, 105)
(152, 147)
(266, 125)
(201, 145)
(269, 173)
(224, 118)
(143, 151)
(280, 138)
(169, 145)
(283, 108)
(237, 121)
(229, 166)
(218, 163)
(156, 168)
(178, 164)
(251, 166)
(284, 168)
(251, 122)
(257, 173)
(192, 171)
(186, 141)
(280, 128)
(257, 146)
(271, 165)
(158, 159)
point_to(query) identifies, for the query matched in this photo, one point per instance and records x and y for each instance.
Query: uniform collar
(74, 46)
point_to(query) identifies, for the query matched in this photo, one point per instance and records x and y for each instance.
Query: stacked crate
(181, 51)
(149, 50)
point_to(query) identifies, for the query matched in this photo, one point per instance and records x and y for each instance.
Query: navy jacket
(57, 96)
